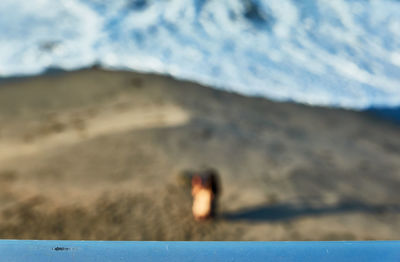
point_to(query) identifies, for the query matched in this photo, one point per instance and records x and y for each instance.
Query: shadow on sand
(280, 212)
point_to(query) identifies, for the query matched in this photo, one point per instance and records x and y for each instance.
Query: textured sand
(95, 155)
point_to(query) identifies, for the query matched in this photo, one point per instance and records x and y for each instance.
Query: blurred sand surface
(95, 154)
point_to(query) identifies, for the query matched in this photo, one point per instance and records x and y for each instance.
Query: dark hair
(210, 179)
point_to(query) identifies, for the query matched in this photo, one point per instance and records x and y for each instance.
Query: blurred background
(104, 105)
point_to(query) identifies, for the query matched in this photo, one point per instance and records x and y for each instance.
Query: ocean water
(343, 53)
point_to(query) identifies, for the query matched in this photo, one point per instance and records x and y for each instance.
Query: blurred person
(205, 192)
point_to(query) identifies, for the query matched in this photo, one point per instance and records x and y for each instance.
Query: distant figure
(205, 192)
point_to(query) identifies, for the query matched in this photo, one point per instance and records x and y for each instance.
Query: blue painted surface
(37, 250)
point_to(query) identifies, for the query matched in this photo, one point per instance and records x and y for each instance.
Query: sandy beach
(96, 154)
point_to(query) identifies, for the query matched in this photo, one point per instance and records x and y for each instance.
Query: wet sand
(96, 154)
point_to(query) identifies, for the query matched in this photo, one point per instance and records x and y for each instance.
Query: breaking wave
(342, 53)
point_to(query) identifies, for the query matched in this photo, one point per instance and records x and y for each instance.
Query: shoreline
(387, 113)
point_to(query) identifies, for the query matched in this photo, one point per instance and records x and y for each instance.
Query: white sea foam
(336, 53)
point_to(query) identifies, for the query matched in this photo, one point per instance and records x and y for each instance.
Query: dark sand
(95, 155)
